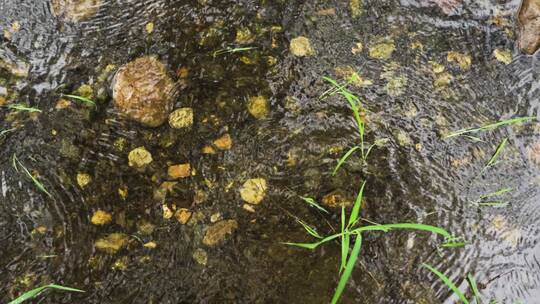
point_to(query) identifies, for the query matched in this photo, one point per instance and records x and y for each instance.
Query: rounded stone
(301, 47)
(75, 10)
(181, 118)
(253, 190)
(139, 157)
(143, 91)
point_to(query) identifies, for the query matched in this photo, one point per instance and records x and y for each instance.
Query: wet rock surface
(143, 91)
(75, 10)
(529, 26)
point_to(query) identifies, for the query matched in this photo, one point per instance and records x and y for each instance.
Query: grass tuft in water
(81, 99)
(447, 282)
(490, 126)
(17, 164)
(36, 291)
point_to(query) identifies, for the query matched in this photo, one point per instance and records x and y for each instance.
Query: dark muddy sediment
(425, 71)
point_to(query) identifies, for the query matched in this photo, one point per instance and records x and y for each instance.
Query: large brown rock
(143, 91)
(529, 26)
(75, 10)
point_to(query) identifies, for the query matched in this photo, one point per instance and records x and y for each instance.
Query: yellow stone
(208, 150)
(150, 245)
(336, 199)
(62, 104)
(258, 107)
(83, 179)
(253, 190)
(244, 36)
(356, 8)
(224, 142)
(112, 243)
(179, 171)
(149, 27)
(382, 48)
(301, 47)
(139, 157)
(182, 215)
(357, 48)
(504, 56)
(181, 118)
(464, 61)
(100, 218)
(217, 233)
(167, 212)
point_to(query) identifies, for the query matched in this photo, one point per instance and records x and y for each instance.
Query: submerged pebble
(504, 56)
(464, 61)
(100, 218)
(179, 171)
(139, 157)
(382, 48)
(301, 47)
(529, 26)
(181, 118)
(224, 142)
(112, 243)
(83, 179)
(254, 190)
(337, 198)
(200, 256)
(217, 233)
(258, 107)
(182, 215)
(143, 91)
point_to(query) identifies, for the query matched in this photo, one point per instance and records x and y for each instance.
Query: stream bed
(197, 210)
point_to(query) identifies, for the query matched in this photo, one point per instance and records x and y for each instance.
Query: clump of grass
(230, 50)
(36, 291)
(492, 203)
(490, 126)
(81, 99)
(351, 231)
(17, 164)
(21, 107)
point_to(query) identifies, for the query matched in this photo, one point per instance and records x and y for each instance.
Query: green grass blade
(493, 204)
(498, 151)
(357, 206)
(345, 240)
(303, 245)
(6, 131)
(312, 203)
(501, 123)
(387, 227)
(309, 229)
(36, 291)
(453, 244)
(496, 193)
(81, 99)
(348, 269)
(342, 160)
(37, 183)
(21, 107)
(232, 50)
(474, 287)
(447, 282)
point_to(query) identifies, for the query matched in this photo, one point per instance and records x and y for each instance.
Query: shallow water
(415, 177)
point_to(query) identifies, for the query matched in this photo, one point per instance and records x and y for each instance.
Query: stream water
(428, 68)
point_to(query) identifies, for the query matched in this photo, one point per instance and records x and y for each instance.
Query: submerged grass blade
(313, 203)
(21, 107)
(342, 160)
(493, 204)
(348, 269)
(474, 288)
(39, 185)
(309, 229)
(81, 99)
(36, 291)
(447, 282)
(232, 50)
(501, 123)
(496, 193)
(498, 151)
(357, 206)
(6, 131)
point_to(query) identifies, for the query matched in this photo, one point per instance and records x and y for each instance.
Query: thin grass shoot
(36, 291)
